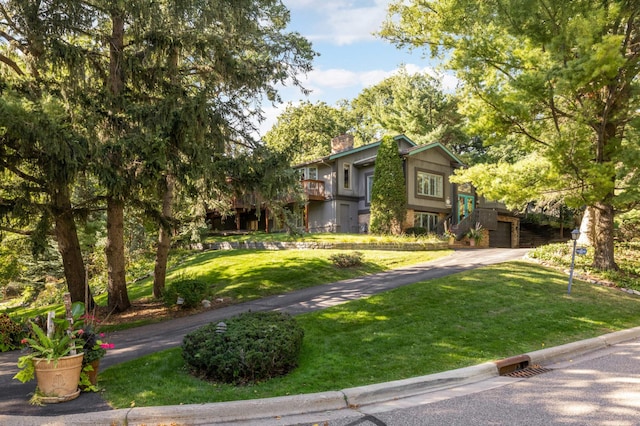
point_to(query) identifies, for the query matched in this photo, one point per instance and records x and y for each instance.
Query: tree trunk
(69, 247)
(118, 298)
(164, 239)
(603, 257)
(586, 227)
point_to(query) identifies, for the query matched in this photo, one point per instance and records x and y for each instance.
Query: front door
(466, 204)
(345, 218)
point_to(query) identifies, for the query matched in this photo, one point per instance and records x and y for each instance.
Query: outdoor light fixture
(575, 234)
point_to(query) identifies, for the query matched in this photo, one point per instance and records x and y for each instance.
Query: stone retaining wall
(316, 245)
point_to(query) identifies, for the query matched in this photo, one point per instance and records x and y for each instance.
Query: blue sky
(351, 57)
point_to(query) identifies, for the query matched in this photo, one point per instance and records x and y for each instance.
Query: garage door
(501, 237)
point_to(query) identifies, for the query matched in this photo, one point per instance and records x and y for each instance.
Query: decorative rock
(206, 303)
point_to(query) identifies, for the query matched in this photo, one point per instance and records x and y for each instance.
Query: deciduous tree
(305, 131)
(559, 79)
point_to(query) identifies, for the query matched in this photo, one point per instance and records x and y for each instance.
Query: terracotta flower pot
(93, 375)
(58, 379)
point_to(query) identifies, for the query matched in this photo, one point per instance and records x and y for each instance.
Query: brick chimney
(341, 143)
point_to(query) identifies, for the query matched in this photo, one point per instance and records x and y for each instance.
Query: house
(338, 192)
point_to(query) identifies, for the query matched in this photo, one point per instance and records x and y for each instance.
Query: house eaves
(322, 160)
(353, 151)
(332, 157)
(371, 145)
(421, 148)
(365, 161)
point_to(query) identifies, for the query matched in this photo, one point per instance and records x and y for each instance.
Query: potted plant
(475, 234)
(54, 357)
(449, 234)
(95, 348)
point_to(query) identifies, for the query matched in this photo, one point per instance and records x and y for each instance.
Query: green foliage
(41, 345)
(543, 77)
(191, 291)
(11, 332)
(346, 260)
(9, 267)
(249, 348)
(628, 275)
(389, 193)
(304, 132)
(416, 231)
(476, 233)
(628, 226)
(410, 104)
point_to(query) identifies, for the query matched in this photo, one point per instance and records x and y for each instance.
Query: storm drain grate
(531, 371)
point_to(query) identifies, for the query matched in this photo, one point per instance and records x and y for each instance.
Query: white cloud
(332, 85)
(339, 22)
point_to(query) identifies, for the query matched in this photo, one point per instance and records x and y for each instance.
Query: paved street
(601, 388)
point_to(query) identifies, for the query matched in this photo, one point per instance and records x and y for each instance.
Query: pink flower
(81, 332)
(107, 345)
(23, 341)
(101, 334)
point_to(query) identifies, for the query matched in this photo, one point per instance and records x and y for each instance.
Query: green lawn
(442, 324)
(243, 275)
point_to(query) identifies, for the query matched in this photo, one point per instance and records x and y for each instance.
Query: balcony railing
(313, 189)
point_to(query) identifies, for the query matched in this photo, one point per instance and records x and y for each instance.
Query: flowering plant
(475, 233)
(63, 339)
(94, 347)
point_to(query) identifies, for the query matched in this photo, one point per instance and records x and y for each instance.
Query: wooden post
(50, 325)
(67, 306)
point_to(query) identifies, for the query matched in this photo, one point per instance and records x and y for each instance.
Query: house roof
(415, 149)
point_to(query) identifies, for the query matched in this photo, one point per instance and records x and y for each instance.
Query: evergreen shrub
(191, 291)
(416, 231)
(248, 348)
(346, 260)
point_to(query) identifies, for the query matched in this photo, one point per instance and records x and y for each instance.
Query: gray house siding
(346, 175)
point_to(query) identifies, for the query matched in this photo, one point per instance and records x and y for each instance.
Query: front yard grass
(437, 325)
(242, 275)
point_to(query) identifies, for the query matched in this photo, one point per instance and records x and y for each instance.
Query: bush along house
(337, 189)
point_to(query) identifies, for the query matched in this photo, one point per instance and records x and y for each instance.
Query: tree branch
(11, 64)
(15, 231)
(22, 174)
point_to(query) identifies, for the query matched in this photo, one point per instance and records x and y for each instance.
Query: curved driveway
(134, 343)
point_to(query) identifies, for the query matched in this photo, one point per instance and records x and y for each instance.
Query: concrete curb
(372, 394)
(237, 411)
(571, 350)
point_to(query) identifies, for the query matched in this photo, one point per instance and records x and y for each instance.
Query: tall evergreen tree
(389, 193)
(156, 90)
(43, 148)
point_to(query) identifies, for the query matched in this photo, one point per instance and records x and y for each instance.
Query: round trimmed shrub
(251, 347)
(191, 291)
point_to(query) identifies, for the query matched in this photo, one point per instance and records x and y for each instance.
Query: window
(429, 184)
(369, 184)
(346, 176)
(429, 221)
(309, 173)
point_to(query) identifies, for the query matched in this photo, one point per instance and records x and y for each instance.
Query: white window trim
(439, 190)
(347, 183)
